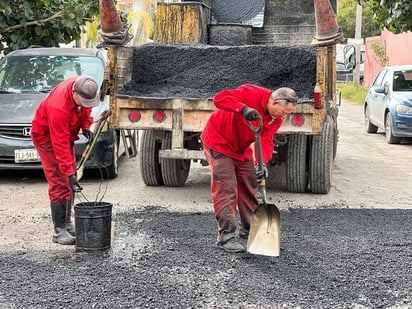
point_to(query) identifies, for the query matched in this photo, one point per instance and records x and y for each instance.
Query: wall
(397, 48)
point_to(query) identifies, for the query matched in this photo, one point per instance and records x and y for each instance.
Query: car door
(376, 100)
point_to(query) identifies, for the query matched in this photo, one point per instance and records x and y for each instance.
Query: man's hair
(285, 93)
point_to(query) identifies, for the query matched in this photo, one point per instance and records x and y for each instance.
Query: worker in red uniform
(55, 127)
(227, 142)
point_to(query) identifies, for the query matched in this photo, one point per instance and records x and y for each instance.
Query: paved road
(350, 248)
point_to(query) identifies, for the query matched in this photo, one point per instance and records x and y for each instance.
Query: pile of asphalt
(330, 258)
(200, 71)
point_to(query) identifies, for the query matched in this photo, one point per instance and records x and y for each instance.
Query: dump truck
(165, 89)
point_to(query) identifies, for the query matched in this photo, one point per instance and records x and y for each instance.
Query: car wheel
(369, 127)
(388, 131)
(113, 168)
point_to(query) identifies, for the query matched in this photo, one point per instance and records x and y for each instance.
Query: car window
(340, 66)
(379, 78)
(402, 81)
(19, 74)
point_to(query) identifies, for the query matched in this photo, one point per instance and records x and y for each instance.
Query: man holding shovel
(227, 141)
(55, 127)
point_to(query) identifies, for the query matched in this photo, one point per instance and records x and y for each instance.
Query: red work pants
(234, 188)
(59, 187)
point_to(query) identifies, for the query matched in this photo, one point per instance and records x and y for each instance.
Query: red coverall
(227, 143)
(55, 127)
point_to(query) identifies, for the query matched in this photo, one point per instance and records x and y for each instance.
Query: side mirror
(349, 56)
(379, 89)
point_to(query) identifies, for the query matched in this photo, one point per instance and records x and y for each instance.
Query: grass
(355, 94)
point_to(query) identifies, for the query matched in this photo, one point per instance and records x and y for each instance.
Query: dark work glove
(74, 183)
(250, 113)
(88, 134)
(262, 174)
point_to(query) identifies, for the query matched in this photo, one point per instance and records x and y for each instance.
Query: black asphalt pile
(330, 258)
(200, 71)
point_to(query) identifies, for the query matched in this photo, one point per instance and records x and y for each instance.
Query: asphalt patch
(330, 258)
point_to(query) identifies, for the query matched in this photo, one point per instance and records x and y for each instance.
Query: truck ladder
(130, 146)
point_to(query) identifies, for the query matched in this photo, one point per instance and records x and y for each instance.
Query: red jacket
(227, 131)
(58, 121)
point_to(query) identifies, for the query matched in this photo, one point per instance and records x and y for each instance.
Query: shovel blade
(264, 233)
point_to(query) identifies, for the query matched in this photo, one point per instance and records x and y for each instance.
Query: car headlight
(403, 109)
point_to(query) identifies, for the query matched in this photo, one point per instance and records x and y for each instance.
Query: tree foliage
(347, 19)
(395, 15)
(24, 23)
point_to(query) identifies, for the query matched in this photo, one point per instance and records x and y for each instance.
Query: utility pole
(358, 43)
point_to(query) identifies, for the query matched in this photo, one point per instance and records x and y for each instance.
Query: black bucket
(93, 222)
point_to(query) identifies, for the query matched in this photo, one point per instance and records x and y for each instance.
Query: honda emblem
(27, 131)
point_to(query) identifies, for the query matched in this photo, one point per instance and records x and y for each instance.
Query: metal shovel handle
(257, 130)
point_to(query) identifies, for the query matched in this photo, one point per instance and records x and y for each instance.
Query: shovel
(90, 145)
(264, 233)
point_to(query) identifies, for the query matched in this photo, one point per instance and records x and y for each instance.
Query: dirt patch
(200, 71)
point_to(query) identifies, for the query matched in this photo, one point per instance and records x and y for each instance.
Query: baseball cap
(87, 90)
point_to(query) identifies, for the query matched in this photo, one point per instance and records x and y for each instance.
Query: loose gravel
(330, 258)
(200, 71)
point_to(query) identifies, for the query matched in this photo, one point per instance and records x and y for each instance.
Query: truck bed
(200, 71)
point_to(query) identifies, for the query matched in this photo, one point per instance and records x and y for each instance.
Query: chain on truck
(171, 126)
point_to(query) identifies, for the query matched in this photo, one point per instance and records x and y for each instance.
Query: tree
(24, 23)
(347, 17)
(395, 15)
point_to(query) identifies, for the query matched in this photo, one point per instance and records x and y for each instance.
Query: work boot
(243, 233)
(229, 243)
(69, 223)
(61, 236)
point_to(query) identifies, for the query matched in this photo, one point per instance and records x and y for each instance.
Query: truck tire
(174, 171)
(321, 160)
(149, 159)
(334, 124)
(296, 165)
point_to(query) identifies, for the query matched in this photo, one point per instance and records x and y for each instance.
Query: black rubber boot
(61, 236)
(69, 223)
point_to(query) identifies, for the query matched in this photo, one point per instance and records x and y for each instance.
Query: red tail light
(317, 97)
(159, 116)
(298, 120)
(134, 116)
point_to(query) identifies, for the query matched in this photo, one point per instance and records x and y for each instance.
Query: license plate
(26, 155)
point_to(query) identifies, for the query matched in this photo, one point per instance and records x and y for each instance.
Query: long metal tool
(264, 233)
(90, 145)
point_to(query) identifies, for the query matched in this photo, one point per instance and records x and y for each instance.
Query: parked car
(344, 74)
(388, 104)
(26, 77)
